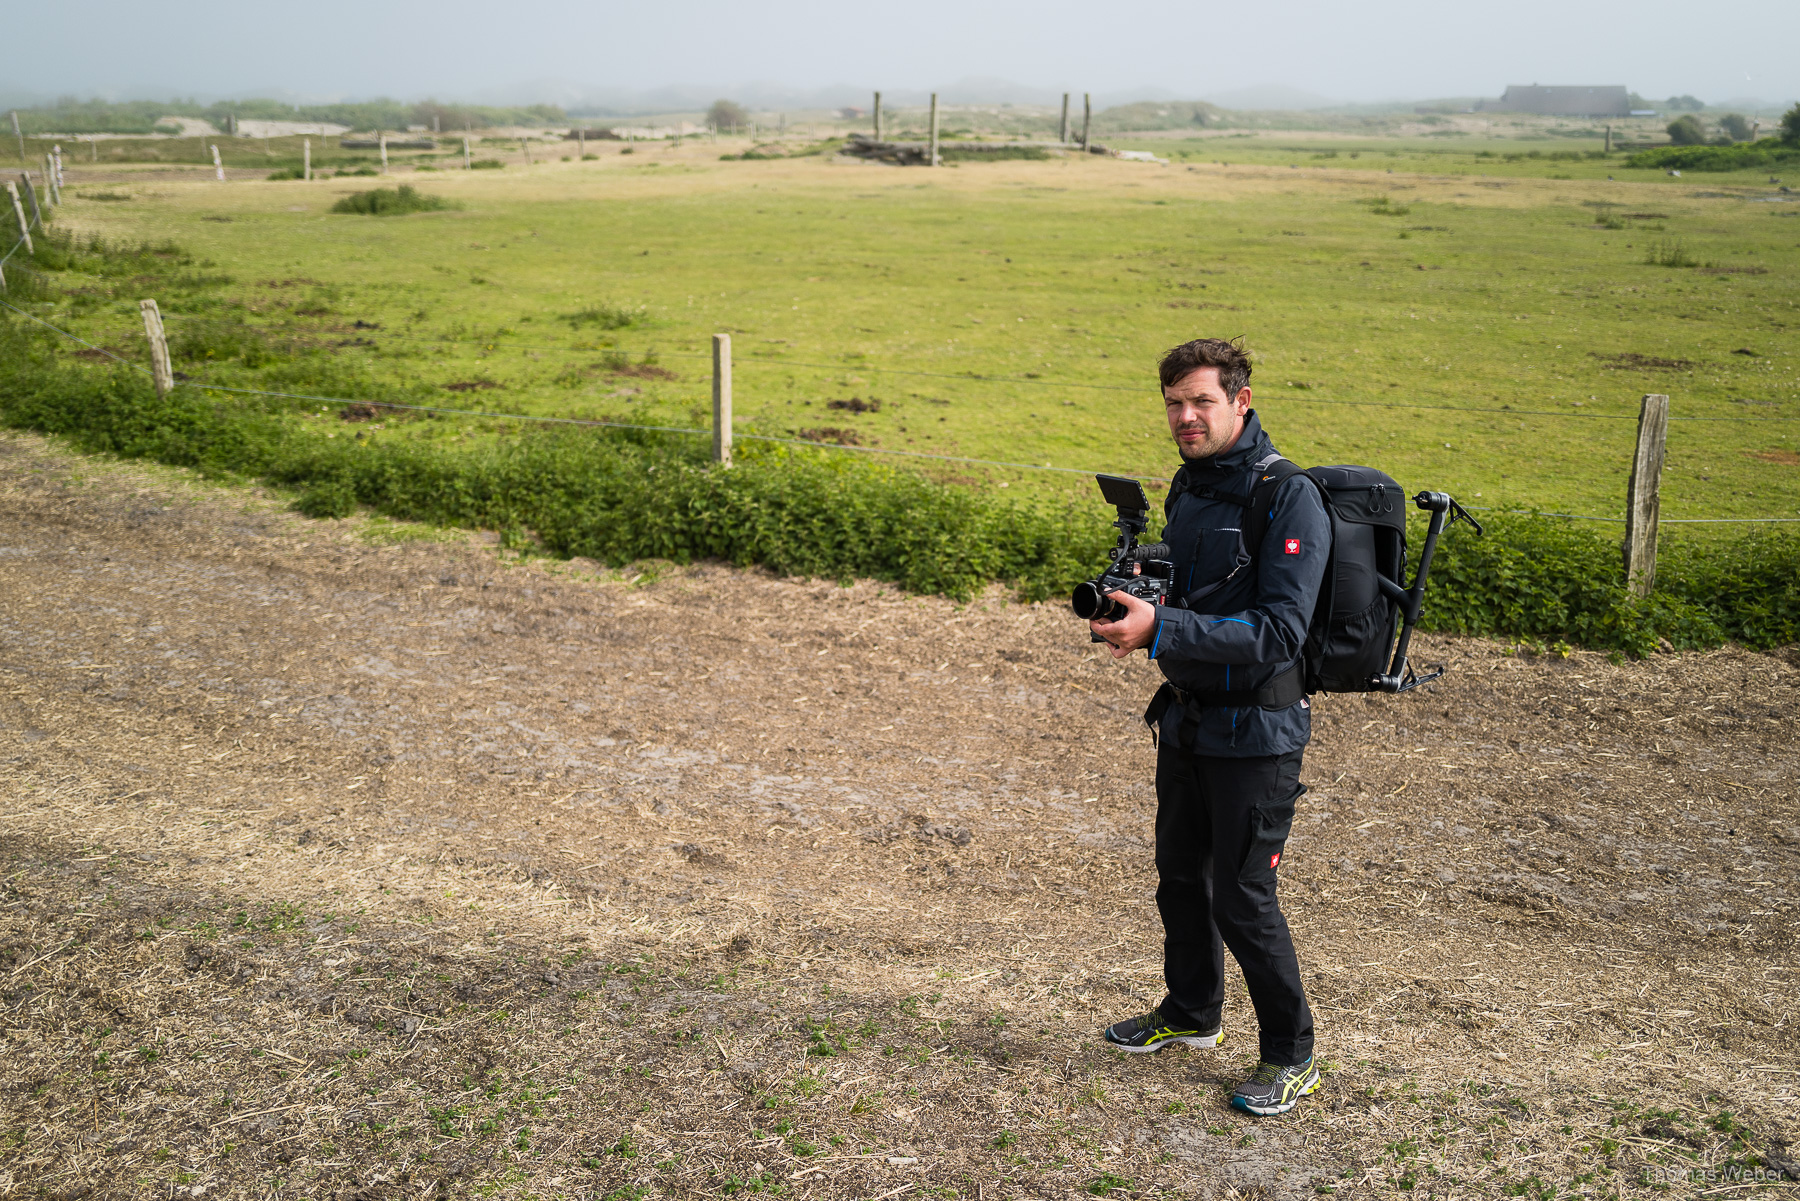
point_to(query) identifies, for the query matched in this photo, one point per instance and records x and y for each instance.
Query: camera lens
(1090, 603)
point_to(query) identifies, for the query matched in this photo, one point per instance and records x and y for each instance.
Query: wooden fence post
(1643, 500)
(878, 116)
(1063, 136)
(466, 154)
(722, 399)
(382, 139)
(12, 190)
(306, 158)
(1087, 117)
(19, 136)
(160, 371)
(218, 166)
(1609, 139)
(56, 155)
(933, 160)
(37, 213)
(51, 195)
(526, 147)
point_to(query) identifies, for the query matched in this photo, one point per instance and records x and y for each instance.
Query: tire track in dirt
(781, 883)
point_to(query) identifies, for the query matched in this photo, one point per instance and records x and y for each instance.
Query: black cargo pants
(1221, 825)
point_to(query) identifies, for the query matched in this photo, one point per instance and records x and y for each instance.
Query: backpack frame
(1364, 603)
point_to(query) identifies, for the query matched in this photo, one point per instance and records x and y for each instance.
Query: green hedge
(1739, 157)
(619, 496)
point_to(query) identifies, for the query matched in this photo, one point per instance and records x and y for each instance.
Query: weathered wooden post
(160, 372)
(381, 138)
(1609, 139)
(218, 166)
(878, 116)
(722, 399)
(17, 134)
(526, 148)
(1643, 496)
(933, 160)
(1087, 117)
(306, 158)
(466, 154)
(50, 192)
(56, 157)
(1063, 136)
(37, 214)
(12, 190)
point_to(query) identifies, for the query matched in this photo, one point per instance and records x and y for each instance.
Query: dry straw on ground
(341, 866)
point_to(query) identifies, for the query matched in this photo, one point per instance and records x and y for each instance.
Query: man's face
(1204, 420)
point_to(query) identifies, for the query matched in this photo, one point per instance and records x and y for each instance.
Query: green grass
(1525, 304)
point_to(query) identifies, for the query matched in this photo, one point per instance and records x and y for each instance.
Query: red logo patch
(1293, 546)
(1274, 860)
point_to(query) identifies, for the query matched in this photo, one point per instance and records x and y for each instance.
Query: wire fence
(201, 385)
(1033, 380)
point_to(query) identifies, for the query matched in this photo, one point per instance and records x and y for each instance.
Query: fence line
(912, 454)
(1022, 379)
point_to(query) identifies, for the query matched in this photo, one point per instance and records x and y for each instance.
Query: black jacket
(1252, 626)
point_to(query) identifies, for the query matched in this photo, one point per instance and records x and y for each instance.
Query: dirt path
(371, 869)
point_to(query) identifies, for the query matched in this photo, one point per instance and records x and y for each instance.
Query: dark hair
(1228, 357)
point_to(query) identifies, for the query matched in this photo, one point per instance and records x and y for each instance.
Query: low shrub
(392, 202)
(1743, 157)
(486, 164)
(287, 173)
(1687, 131)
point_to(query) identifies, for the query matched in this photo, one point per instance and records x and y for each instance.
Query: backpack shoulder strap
(1272, 472)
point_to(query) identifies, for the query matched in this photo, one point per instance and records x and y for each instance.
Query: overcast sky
(1186, 49)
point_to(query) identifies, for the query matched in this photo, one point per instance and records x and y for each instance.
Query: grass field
(1454, 283)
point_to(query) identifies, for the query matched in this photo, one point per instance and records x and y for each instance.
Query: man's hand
(1130, 632)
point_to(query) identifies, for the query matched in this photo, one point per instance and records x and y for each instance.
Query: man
(1232, 721)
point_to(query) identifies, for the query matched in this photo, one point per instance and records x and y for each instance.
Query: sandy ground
(334, 864)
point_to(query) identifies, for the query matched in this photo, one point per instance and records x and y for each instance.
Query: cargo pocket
(1270, 825)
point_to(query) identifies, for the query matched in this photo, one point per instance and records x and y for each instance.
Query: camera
(1143, 571)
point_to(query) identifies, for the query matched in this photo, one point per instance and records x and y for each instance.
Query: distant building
(1562, 101)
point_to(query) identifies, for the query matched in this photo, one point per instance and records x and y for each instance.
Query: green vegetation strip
(619, 496)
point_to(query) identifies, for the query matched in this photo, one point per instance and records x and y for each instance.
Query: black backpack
(1364, 603)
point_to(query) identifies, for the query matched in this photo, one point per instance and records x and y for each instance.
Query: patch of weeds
(609, 316)
(392, 202)
(624, 1148)
(1105, 1183)
(825, 1042)
(764, 1182)
(1669, 254)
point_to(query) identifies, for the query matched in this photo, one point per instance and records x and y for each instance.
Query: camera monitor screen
(1122, 492)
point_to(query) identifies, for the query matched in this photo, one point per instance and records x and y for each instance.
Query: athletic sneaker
(1152, 1032)
(1274, 1089)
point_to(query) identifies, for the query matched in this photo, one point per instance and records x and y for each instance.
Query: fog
(793, 52)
